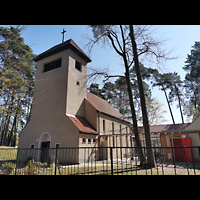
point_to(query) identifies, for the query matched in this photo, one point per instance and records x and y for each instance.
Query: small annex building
(181, 137)
(158, 133)
(176, 135)
(63, 113)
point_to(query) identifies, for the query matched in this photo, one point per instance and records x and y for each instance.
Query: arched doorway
(44, 144)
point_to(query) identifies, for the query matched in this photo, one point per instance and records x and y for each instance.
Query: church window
(83, 140)
(89, 141)
(104, 127)
(52, 65)
(78, 83)
(78, 66)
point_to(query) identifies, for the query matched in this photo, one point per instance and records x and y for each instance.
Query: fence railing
(101, 161)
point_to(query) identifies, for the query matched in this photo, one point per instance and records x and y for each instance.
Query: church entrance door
(44, 157)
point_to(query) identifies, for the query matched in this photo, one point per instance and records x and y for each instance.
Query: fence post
(111, 159)
(56, 159)
(17, 161)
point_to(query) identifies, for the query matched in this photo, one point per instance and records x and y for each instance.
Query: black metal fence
(101, 161)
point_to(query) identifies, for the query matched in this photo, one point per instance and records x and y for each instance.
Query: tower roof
(61, 47)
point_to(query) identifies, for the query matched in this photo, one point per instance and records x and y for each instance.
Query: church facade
(63, 113)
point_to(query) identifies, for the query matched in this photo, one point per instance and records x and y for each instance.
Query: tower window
(78, 66)
(52, 65)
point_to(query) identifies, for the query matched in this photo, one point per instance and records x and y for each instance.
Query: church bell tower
(61, 81)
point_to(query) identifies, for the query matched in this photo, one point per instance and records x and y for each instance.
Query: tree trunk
(134, 118)
(14, 123)
(7, 122)
(4, 117)
(137, 138)
(195, 101)
(1, 128)
(12, 130)
(1, 88)
(150, 158)
(170, 110)
(5, 130)
(179, 103)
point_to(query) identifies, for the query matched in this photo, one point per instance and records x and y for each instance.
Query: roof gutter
(85, 132)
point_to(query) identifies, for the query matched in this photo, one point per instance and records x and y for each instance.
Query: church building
(63, 113)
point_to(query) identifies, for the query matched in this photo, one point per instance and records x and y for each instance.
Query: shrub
(32, 167)
(8, 167)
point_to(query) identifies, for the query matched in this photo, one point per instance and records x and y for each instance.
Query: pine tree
(17, 70)
(94, 89)
(192, 81)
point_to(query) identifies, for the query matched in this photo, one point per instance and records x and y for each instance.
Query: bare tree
(107, 33)
(150, 159)
(129, 44)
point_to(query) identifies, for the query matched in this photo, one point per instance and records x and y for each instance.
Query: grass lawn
(8, 153)
(100, 170)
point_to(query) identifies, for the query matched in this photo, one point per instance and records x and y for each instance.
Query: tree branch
(113, 44)
(96, 74)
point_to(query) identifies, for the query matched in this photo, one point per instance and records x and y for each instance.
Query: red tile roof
(104, 107)
(164, 127)
(82, 125)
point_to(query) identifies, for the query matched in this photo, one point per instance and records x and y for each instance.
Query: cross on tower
(64, 31)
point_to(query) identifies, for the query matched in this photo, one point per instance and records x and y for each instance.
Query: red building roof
(82, 125)
(99, 104)
(104, 107)
(164, 127)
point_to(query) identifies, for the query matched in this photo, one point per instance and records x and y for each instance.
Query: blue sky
(43, 37)
(180, 38)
